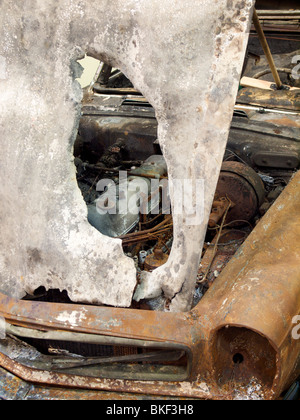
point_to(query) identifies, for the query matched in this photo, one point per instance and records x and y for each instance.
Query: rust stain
(286, 122)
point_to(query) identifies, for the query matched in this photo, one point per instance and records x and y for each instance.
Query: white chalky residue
(3, 69)
(73, 318)
(2, 328)
(252, 392)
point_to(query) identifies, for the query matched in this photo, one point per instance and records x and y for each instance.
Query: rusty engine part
(218, 210)
(245, 189)
(218, 254)
(166, 226)
(113, 154)
(240, 193)
(145, 242)
(155, 260)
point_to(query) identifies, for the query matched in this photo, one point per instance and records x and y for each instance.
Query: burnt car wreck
(150, 223)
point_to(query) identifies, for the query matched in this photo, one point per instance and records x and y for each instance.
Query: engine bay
(243, 195)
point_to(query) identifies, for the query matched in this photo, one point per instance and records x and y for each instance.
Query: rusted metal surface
(285, 121)
(163, 228)
(288, 100)
(215, 259)
(240, 184)
(240, 330)
(155, 260)
(218, 210)
(261, 132)
(266, 49)
(14, 388)
(100, 129)
(267, 269)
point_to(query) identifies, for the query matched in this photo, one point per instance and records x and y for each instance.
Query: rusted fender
(256, 300)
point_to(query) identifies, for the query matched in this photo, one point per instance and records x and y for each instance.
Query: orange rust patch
(286, 122)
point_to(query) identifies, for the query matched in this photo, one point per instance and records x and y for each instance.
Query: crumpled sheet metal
(185, 58)
(260, 290)
(249, 311)
(14, 388)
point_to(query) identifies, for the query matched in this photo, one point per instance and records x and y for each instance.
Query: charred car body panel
(238, 341)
